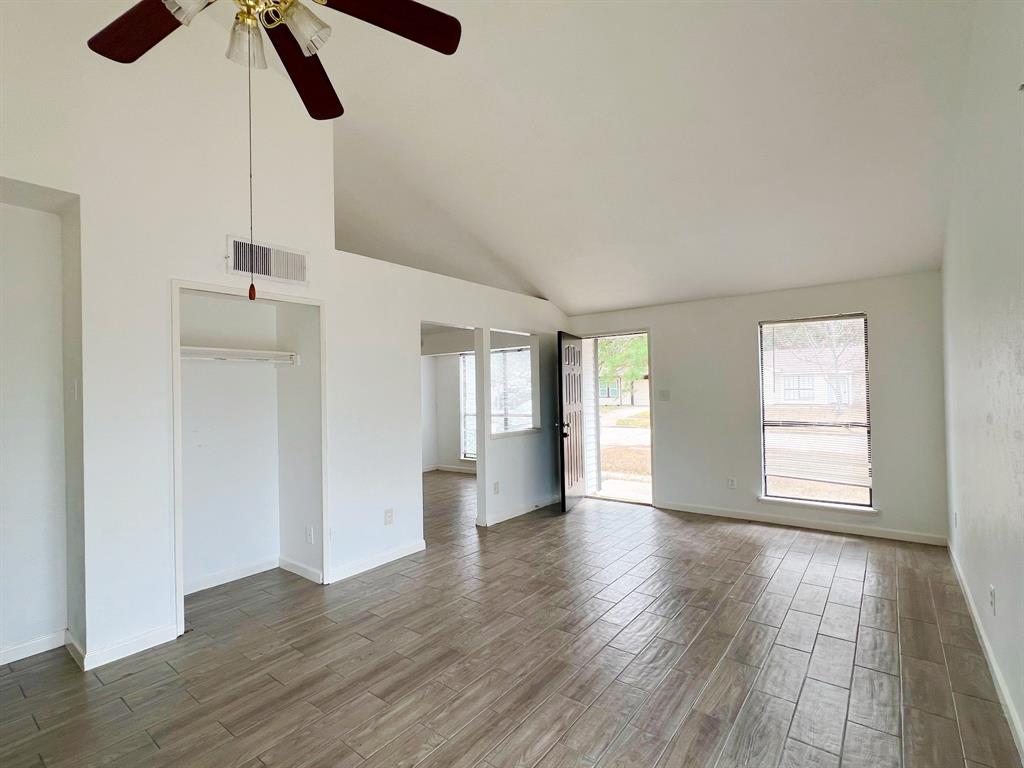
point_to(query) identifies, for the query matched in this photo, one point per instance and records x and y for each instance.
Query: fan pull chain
(252, 249)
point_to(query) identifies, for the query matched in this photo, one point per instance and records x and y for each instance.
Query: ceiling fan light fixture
(185, 10)
(246, 40)
(310, 32)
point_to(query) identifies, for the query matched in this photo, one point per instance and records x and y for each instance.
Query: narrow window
(815, 424)
(467, 404)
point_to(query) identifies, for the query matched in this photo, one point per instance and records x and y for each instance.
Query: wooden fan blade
(134, 32)
(406, 18)
(307, 75)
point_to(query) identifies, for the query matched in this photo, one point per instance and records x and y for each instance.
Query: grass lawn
(631, 460)
(643, 420)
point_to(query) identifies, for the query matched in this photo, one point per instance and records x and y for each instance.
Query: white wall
(33, 603)
(230, 443)
(230, 465)
(162, 183)
(428, 412)
(984, 334)
(704, 357)
(300, 439)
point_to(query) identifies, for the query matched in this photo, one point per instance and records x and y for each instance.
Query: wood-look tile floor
(618, 635)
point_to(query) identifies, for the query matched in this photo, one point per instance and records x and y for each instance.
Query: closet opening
(250, 488)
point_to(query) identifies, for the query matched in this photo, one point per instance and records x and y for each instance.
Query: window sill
(516, 433)
(826, 505)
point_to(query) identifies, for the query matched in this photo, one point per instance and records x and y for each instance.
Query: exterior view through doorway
(617, 407)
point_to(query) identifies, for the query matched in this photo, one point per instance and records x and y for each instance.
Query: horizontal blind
(467, 404)
(815, 409)
(511, 390)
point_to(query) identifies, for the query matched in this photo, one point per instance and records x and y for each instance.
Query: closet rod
(240, 355)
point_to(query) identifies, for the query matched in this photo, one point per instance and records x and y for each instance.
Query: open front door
(570, 418)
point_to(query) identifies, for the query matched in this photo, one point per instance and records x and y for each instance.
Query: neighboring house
(807, 386)
(616, 392)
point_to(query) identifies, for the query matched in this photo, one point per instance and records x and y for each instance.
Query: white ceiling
(616, 154)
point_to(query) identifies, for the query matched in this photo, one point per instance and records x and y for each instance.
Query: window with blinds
(511, 394)
(815, 414)
(467, 404)
(511, 390)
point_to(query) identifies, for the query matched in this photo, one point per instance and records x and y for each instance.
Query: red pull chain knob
(252, 291)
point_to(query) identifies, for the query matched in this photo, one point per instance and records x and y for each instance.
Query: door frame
(650, 385)
(177, 286)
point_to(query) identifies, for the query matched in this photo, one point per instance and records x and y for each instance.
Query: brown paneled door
(570, 418)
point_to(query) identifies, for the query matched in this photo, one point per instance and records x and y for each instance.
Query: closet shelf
(240, 355)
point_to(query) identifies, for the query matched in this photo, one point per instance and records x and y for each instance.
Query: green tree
(622, 357)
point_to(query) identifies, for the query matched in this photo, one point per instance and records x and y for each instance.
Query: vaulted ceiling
(616, 154)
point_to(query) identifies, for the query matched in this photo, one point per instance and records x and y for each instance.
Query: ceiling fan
(294, 31)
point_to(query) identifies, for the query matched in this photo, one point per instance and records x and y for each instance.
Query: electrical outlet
(389, 516)
(731, 482)
(992, 598)
(497, 488)
(309, 534)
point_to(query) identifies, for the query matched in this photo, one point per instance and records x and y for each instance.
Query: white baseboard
(805, 521)
(1013, 717)
(146, 640)
(299, 569)
(74, 646)
(354, 567)
(32, 647)
(510, 515)
(231, 574)
(448, 468)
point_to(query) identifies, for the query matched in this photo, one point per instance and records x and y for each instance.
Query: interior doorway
(617, 417)
(448, 429)
(480, 416)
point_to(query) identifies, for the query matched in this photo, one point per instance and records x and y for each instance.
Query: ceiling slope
(615, 154)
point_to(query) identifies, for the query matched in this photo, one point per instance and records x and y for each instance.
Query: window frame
(870, 504)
